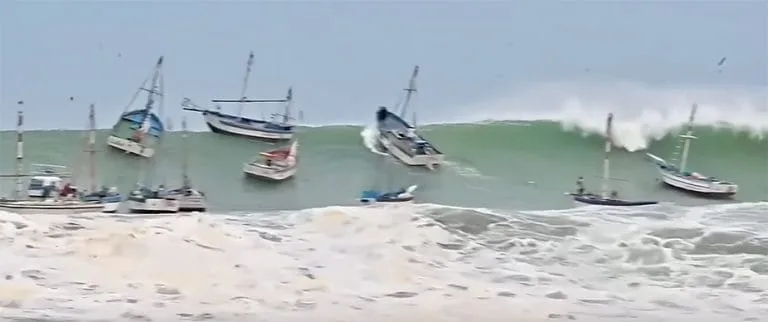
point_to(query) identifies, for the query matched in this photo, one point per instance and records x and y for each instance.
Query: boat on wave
(401, 139)
(190, 199)
(275, 165)
(138, 131)
(605, 198)
(278, 127)
(50, 201)
(679, 177)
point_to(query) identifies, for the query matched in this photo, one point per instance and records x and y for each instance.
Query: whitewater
(417, 262)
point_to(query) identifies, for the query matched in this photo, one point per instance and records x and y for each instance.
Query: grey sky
(345, 58)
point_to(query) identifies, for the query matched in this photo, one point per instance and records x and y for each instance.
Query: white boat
(54, 204)
(146, 201)
(46, 178)
(275, 165)
(402, 139)
(279, 127)
(50, 206)
(190, 199)
(678, 176)
(138, 131)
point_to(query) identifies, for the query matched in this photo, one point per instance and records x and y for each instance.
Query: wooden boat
(54, 204)
(138, 131)
(401, 139)
(679, 177)
(275, 165)
(605, 198)
(190, 199)
(279, 127)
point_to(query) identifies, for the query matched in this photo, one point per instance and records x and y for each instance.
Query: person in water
(580, 186)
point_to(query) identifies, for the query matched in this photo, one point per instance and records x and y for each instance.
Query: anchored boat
(679, 177)
(401, 139)
(279, 127)
(275, 165)
(190, 199)
(54, 202)
(605, 198)
(138, 131)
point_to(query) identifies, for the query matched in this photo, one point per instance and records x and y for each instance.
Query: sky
(343, 59)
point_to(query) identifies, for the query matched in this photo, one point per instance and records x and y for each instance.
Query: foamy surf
(424, 262)
(644, 113)
(370, 139)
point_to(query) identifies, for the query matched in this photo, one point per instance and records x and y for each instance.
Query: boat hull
(698, 187)
(263, 172)
(153, 206)
(130, 147)
(600, 201)
(254, 129)
(409, 159)
(190, 202)
(50, 208)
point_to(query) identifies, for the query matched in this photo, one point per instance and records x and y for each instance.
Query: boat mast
(288, 100)
(688, 136)
(606, 160)
(92, 145)
(152, 91)
(409, 91)
(245, 84)
(184, 161)
(19, 156)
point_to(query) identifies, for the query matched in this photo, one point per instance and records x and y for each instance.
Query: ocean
(491, 238)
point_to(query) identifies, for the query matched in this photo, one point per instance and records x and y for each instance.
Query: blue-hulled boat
(138, 131)
(279, 127)
(376, 196)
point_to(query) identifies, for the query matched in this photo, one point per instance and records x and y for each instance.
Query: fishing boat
(146, 200)
(45, 179)
(376, 196)
(679, 177)
(275, 165)
(137, 131)
(278, 127)
(401, 139)
(152, 201)
(388, 194)
(605, 198)
(65, 202)
(110, 197)
(190, 199)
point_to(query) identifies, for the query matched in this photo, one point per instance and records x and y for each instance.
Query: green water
(511, 166)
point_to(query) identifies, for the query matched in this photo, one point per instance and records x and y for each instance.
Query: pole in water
(19, 153)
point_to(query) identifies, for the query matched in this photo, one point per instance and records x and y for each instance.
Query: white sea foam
(643, 112)
(406, 263)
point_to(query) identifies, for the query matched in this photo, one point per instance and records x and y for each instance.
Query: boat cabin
(43, 186)
(275, 157)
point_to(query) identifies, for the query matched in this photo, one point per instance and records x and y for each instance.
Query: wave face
(390, 264)
(643, 113)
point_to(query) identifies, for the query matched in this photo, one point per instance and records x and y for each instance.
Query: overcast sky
(345, 58)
